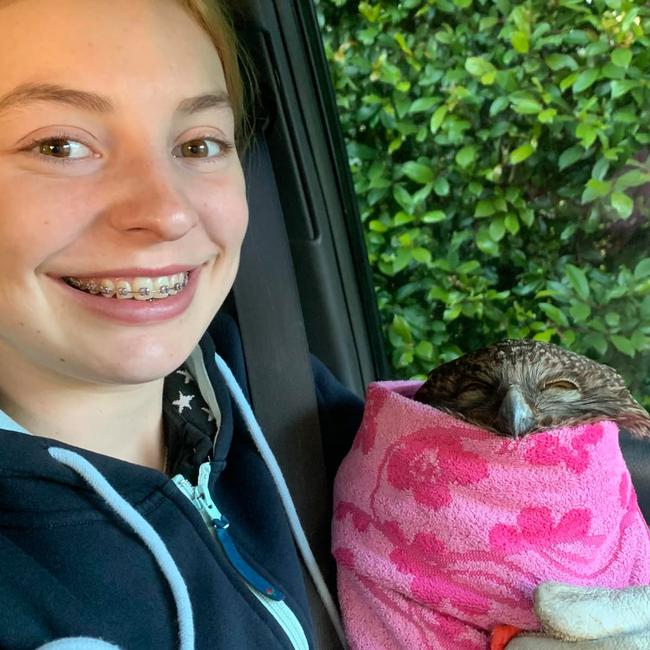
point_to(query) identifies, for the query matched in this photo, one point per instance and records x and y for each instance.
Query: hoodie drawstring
(147, 534)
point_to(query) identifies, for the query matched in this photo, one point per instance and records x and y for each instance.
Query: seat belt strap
(279, 371)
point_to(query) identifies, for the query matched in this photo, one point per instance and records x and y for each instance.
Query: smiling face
(117, 164)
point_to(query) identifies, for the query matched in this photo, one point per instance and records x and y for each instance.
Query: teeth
(140, 288)
(161, 287)
(123, 289)
(174, 282)
(107, 288)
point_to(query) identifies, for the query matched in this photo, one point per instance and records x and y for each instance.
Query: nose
(515, 416)
(152, 204)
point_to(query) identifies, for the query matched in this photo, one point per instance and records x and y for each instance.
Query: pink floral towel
(442, 530)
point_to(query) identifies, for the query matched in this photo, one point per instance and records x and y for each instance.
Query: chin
(138, 356)
(149, 363)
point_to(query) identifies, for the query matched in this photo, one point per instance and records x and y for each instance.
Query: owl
(518, 387)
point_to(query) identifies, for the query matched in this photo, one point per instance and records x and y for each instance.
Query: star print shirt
(189, 425)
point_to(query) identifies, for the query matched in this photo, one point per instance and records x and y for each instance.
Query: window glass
(500, 157)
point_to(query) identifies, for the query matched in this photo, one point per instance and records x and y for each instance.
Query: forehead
(124, 47)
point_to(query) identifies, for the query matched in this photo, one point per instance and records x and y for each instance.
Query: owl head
(518, 387)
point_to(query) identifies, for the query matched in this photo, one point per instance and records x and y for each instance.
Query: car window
(499, 152)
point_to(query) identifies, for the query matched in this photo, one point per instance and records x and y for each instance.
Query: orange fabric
(502, 635)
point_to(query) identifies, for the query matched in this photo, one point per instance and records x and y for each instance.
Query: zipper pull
(213, 517)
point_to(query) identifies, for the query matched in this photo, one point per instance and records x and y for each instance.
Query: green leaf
(547, 115)
(485, 243)
(642, 269)
(596, 341)
(619, 88)
(545, 336)
(452, 313)
(555, 314)
(610, 71)
(437, 119)
(418, 172)
(640, 341)
(578, 280)
(441, 186)
(623, 345)
(621, 57)
(600, 168)
(498, 105)
(497, 229)
(585, 79)
(402, 218)
(520, 42)
(580, 311)
(434, 216)
(568, 81)
(623, 204)
(632, 178)
(424, 350)
(401, 329)
(466, 156)
(570, 156)
(478, 66)
(521, 153)
(558, 61)
(468, 267)
(512, 223)
(402, 260)
(403, 198)
(595, 189)
(525, 103)
(377, 226)
(527, 216)
(586, 133)
(484, 208)
(423, 104)
(421, 255)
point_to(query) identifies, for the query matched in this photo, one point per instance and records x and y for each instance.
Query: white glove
(582, 618)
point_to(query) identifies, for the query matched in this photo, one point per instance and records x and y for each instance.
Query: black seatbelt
(279, 370)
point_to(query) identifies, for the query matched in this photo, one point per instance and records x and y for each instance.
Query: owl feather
(518, 387)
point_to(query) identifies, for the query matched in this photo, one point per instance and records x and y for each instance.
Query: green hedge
(500, 155)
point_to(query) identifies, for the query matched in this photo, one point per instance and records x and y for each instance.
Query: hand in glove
(583, 618)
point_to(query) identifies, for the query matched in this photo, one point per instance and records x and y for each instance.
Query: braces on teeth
(108, 292)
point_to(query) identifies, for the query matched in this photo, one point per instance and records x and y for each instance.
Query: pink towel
(442, 530)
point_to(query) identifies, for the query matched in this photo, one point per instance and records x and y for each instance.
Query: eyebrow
(93, 102)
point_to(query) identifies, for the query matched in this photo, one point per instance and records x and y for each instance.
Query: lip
(136, 312)
(134, 272)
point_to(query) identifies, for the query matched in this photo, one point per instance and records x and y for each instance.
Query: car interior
(304, 284)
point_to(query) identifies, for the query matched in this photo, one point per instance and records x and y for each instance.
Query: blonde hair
(215, 19)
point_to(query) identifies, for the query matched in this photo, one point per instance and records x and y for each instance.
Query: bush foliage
(500, 155)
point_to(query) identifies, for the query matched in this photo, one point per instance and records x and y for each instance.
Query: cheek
(224, 213)
(38, 219)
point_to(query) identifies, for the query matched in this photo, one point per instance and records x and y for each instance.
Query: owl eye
(561, 384)
(473, 386)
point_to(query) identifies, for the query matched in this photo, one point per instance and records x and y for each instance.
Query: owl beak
(515, 417)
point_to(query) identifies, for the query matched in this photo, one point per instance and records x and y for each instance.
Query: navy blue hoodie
(78, 563)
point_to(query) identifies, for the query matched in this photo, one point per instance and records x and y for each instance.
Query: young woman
(139, 507)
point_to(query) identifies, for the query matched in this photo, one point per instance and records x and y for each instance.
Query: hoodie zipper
(271, 598)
